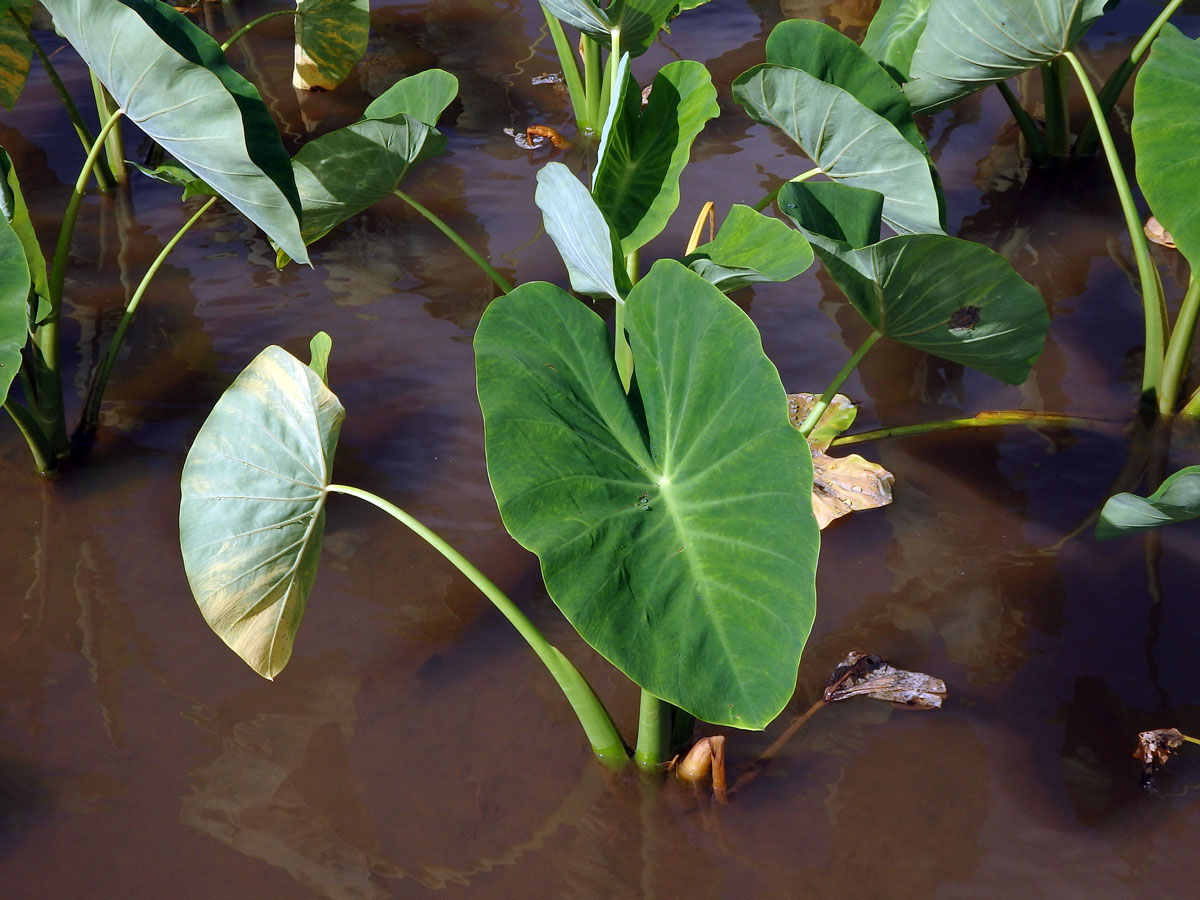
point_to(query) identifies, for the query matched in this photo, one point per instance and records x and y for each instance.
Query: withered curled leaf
(1159, 235)
(860, 674)
(842, 484)
(706, 757)
(1154, 749)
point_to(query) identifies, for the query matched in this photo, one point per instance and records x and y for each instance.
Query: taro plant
(655, 473)
(171, 78)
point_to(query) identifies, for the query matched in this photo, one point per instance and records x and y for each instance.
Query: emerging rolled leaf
(970, 44)
(331, 36)
(1176, 500)
(253, 509)
(644, 149)
(172, 80)
(674, 525)
(1166, 136)
(586, 242)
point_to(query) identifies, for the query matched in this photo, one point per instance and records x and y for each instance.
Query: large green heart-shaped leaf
(585, 240)
(331, 36)
(1176, 500)
(645, 148)
(848, 142)
(674, 526)
(172, 80)
(253, 508)
(15, 50)
(751, 248)
(14, 297)
(830, 56)
(893, 33)
(969, 44)
(639, 20)
(1166, 137)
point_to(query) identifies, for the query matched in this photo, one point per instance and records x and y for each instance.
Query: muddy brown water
(414, 745)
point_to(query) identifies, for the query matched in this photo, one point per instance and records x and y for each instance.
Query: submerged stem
(654, 732)
(1029, 128)
(1152, 299)
(605, 739)
(487, 268)
(822, 404)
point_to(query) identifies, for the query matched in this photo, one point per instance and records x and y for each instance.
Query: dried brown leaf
(860, 674)
(1154, 749)
(1156, 233)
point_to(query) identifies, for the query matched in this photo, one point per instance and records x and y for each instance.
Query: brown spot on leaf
(964, 318)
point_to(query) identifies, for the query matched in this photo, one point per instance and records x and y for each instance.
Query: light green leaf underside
(850, 143)
(1176, 500)
(639, 20)
(173, 82)
(893, 34)
(970, 44)
(331, 36)
(1166, 137)
(680, 543)
(579, 230)
(253, 508)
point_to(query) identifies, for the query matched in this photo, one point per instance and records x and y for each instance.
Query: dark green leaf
(331, 36)
(1166, 136)
(949, 297)
(14, 294)
(179, 176)
(253, 508)
(832, 57)
(751, 248)
(674, 526)
(848, 142)
(17, 213)
(1176, 500)
(893, 34)
(584, 239)
(969, 44)
(173, 82)
(643, 150)
(15, 50)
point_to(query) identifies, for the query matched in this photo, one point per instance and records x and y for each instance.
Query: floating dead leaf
(547, 78)
(707, 757)
(536, 136)
(844, 484)
(1154, 749)
(1159, 235)
(864, 675)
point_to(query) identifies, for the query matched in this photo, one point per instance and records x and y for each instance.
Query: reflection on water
(413, 745)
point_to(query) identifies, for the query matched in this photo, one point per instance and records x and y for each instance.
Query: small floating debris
(1155, 748)
(865, 675)
(536, 136)
(547, 78)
